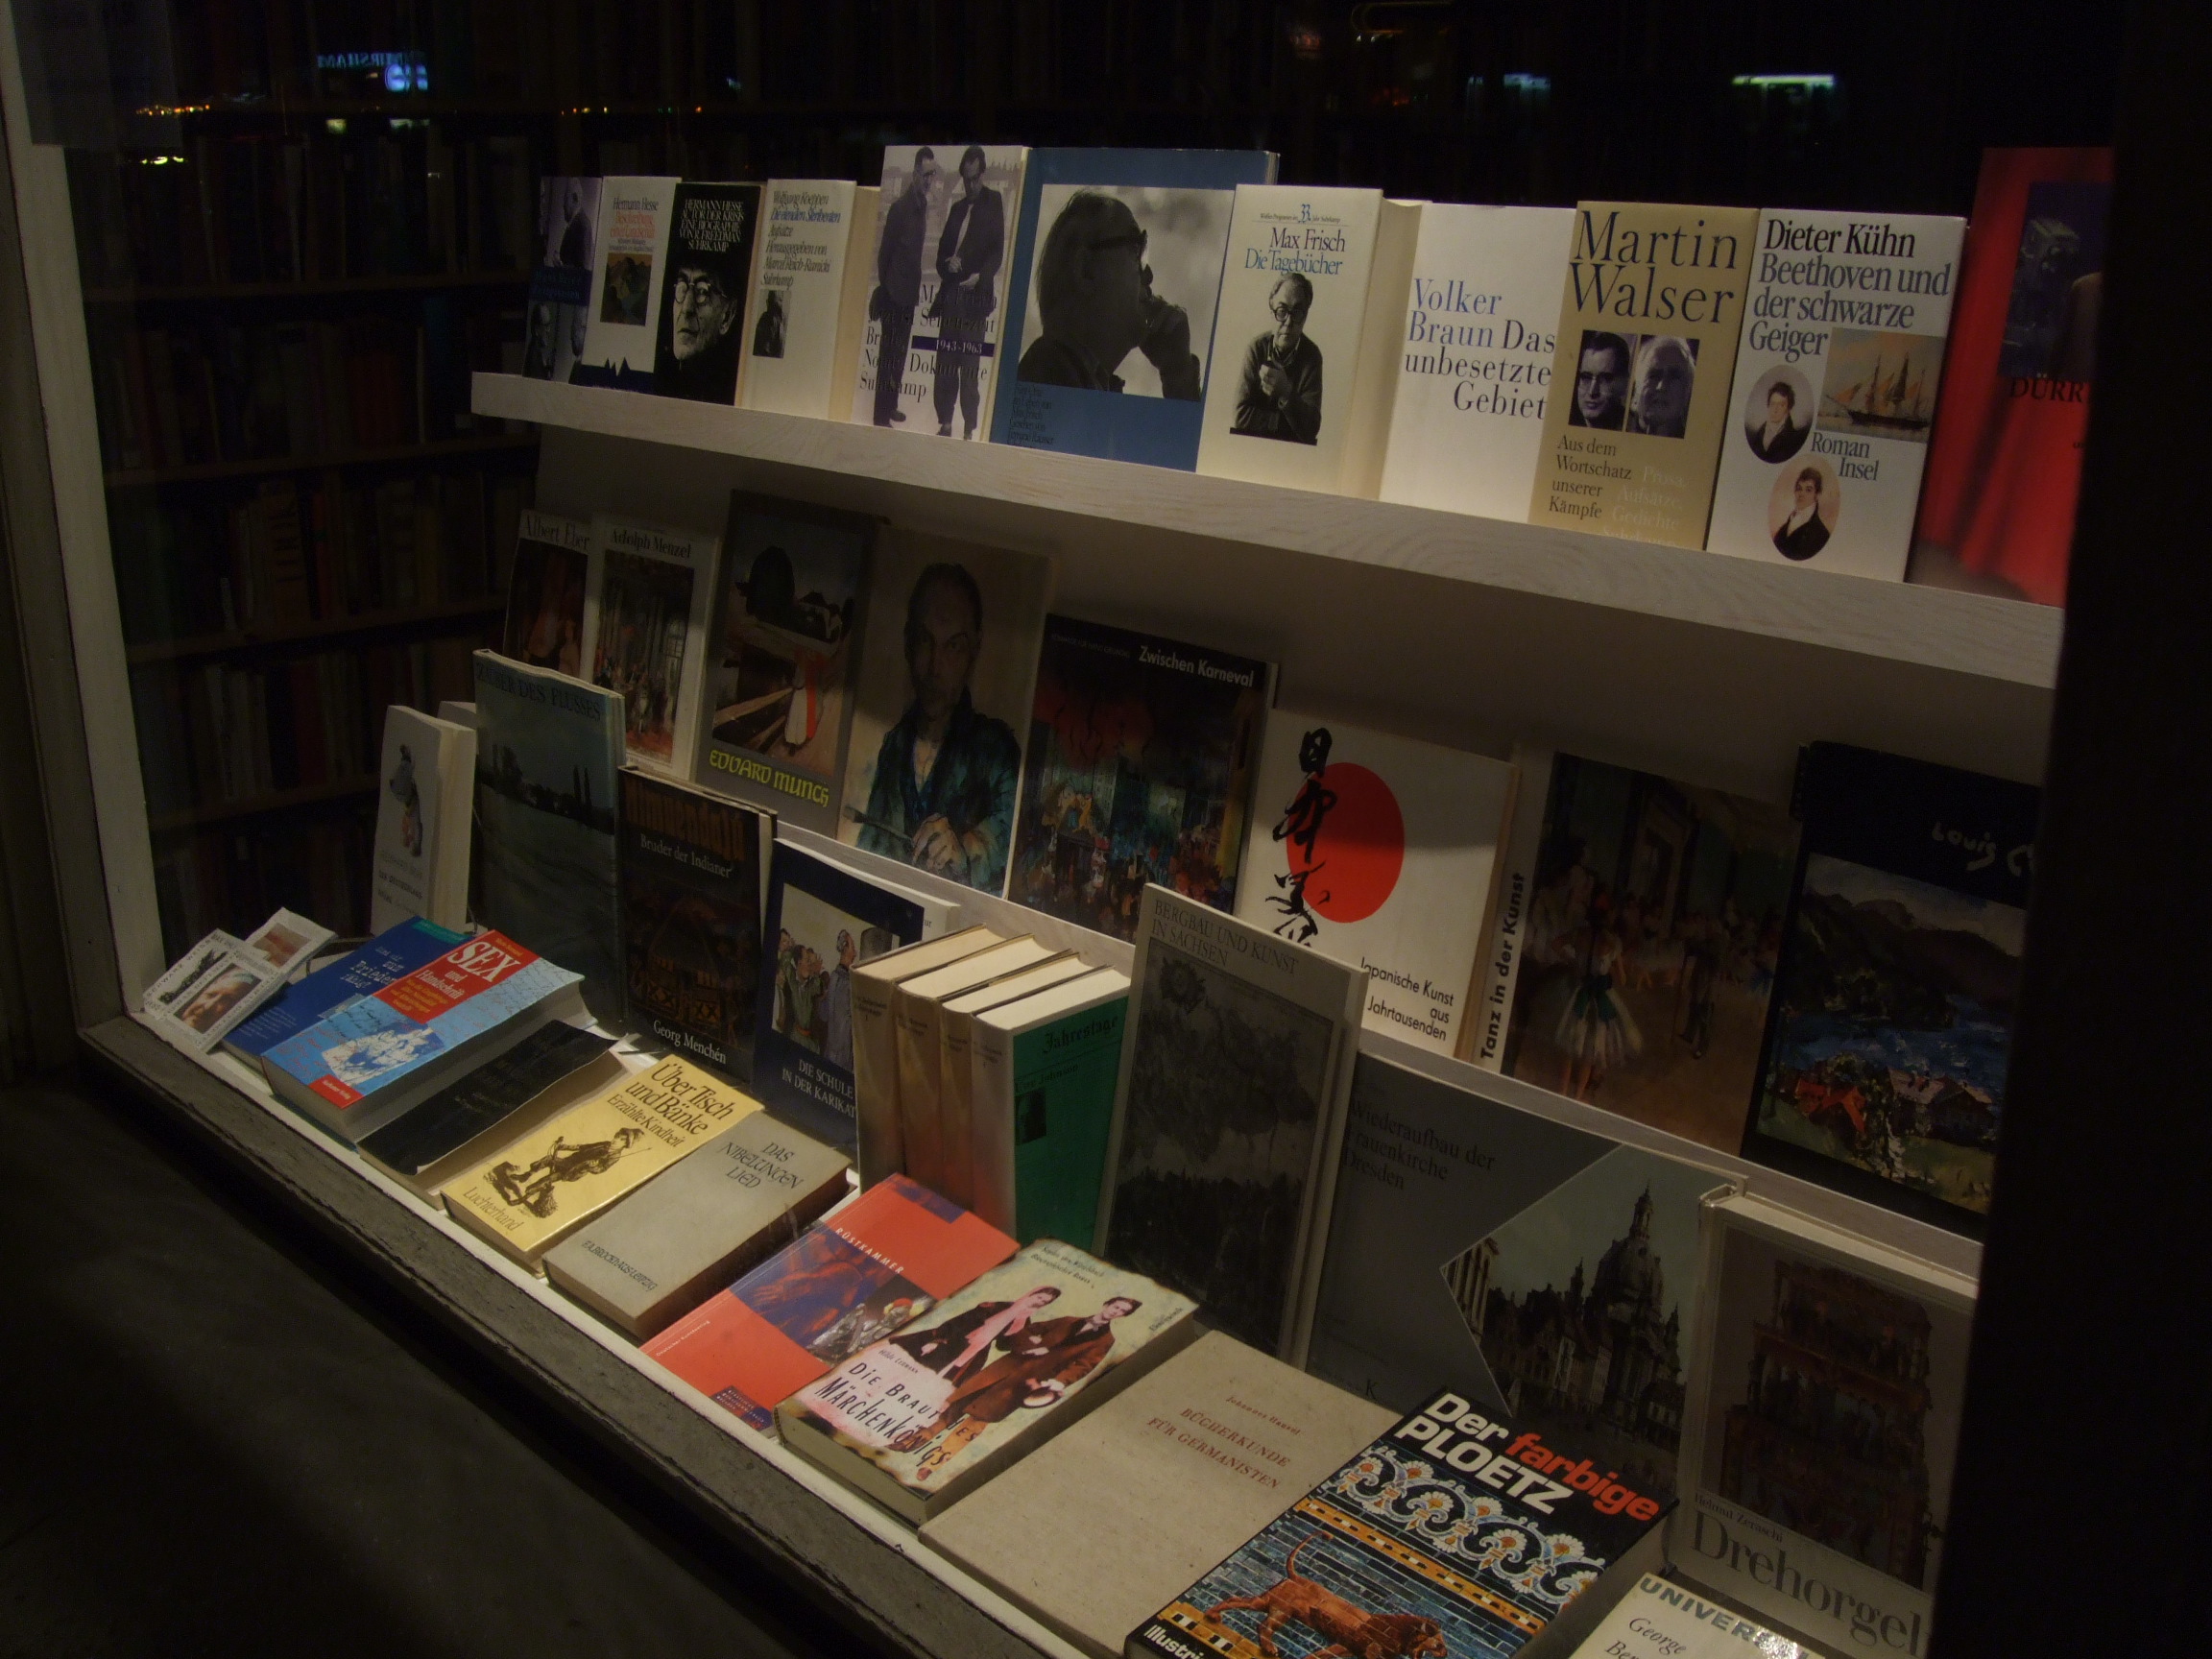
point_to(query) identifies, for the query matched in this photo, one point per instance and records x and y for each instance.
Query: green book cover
(1063, 1104)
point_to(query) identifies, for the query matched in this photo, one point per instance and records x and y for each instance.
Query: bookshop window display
(723, 724)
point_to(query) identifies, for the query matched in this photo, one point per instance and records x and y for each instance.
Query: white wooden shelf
(1994, 640)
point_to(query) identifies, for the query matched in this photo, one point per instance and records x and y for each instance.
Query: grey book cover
(459, 1114)
(689, 1232)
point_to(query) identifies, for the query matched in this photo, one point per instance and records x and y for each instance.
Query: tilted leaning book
(427, 781)
(626, 277)
(1228, 1118)
(697, 349)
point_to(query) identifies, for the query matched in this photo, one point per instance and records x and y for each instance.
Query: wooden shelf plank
(136, 294)
(282, 800)
(441, 449)
(1997, 639)
(329, 627)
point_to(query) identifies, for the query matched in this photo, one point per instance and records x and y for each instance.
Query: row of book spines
(333, 552)
(306, 209)
(231, 878)
(222, 734)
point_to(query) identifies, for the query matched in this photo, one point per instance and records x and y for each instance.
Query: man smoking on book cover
(1281, 394)
(1097, 305)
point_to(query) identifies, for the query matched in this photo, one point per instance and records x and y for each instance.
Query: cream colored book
(915, 1008)
(955, 1066)
(799, 281)
(1160, 1483)
(853, 297)
(1647, 329)
(544, 1186)
(875, 1045)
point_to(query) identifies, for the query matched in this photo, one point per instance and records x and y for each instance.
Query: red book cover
(2004, 462)
(888, 1257)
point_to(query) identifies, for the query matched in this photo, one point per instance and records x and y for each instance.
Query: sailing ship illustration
(1891, 404)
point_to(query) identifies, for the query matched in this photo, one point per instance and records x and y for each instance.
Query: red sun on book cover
(1349, 844)
(2005, 463)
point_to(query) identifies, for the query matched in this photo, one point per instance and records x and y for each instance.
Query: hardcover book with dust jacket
(547, 751)
(1890, 1035)
(1161, 1482)
(800, 276)
(1117, 272)
(645, 634)
(1836, 389)
(701, 335)
(543, 626)
(1380, 851)
(692, 879)
(627, 276)
(1474, 377)
(1142, 757)
(946, 220)
(560, 305)
(1653, 312)
(426, 782)
(782, 648)
(1475, 1240)
(1817, 1449)
(1305, 340)
(860, 1273)
(1228, 1119)
(918, 1419)
(1455, 1532)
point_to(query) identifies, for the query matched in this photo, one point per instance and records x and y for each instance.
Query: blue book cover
(390, 956)
(822, 923)
(1110, 307)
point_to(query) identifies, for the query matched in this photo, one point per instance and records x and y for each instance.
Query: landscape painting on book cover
(1894, 1030)
(1651, 943)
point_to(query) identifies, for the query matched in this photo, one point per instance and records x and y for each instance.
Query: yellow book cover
(539, 1190)
(1647, 331)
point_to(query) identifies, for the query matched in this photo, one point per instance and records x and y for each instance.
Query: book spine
(1498, 969)
(991, 1114)
(876, 1080)
(956, 1161)
(914, 1020)
(1381, 347)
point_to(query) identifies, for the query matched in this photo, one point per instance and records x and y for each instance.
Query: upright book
(876, 1042)
(692, 872)
(930, 354)
(801, 272)
(1116, 272)
(1382, 852)
(543, 626)
(1228, 1119)
(700, 341)
(1891, 1034)
(547, 751)
(1307, 337)
(1139, 769)
(1473, 378)
(425, 809)
(391, 954)
(1823, 1426)
(626, 277)
(2004, 462)
(783, 647)
(919, 1419)
(560, 302)
(1161, 1482)
(1454, 1532)
(1649, 326)
(1836, 379)
(645, 634)
(1552, 1271)
(860, 1273)
(943, 705)
(1633, 951)
(917, 1017)
(1042, 1076)
(957, 1028)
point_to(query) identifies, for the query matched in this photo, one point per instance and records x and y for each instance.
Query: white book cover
(1306, 336)
(798, 285)
(1667, 1620)
(645, 633)
(213, 988)
(621, 334)
(945, 230)
(1836, 384)
(423, 820)
(1381, 853)
(1482, 324)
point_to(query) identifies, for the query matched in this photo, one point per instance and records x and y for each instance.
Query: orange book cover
(883, 1260)
(2004, 462)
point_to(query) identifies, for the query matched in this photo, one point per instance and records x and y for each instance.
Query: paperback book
(797, 302)
(425, 808)
(701, 337)
(1038, 1095)
(547, 751)
(1553, 1271)
(1228, 1119)
(1384, 853)
(1116, 273)
(1634, 949)
(627, 279)
(561, 286)
(1649, 326)
(918, 1419)
(391, 956)
(223, 981)
(931, 1154)
(543, 626)
(876, 1042)
(782, 646)
(944, 698)
(1140, 770)
(930, 352)
(692, 879)
(645, 634)
(1473, 378)
(860, 1273)
(1891, 1031)
(2005, 458)
(1835, 390)
(1454, 1532)
(1663, 1618)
